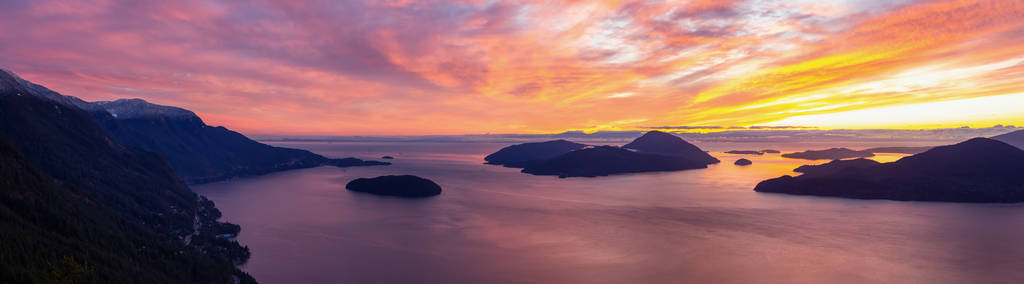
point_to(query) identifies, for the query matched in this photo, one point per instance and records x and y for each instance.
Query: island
(661, 143)
(408, 186)
(607, 160)
(976, 170)
(353, 162)
(770, 151)
(899, 150)
(526, 154)
(745, 152)
(652, 152)
(828, 154)
(835, 166)
(743, 162)
(388, 157)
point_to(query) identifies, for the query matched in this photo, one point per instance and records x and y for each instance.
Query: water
(495, 225)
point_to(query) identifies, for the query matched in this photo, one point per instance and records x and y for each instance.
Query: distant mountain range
(976, 170)
(937, 136)
(79, 201)
(828, 154)
(1015, 138)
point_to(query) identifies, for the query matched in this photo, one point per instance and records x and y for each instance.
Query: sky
(406, 67)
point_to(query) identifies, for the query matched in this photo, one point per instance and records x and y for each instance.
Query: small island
(977, 170)
(828, 154)
(408, 186)
(770, 151)
(353, 162)
(743, 162)
(745, 152)
(388, 158)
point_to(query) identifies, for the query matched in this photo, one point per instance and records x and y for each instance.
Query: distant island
(745, 152)
(899, 150)
(976, 170)
(1015, 138)
(527, 154)
(653, 151)
(352, 162)
(742, 162)
(399, 186)
(770, 151)
(828, 154)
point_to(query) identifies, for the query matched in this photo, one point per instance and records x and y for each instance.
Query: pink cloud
(417, 67)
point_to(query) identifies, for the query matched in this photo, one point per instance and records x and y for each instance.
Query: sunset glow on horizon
(468, 67)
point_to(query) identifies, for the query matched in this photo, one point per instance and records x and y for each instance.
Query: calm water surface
(495, 225)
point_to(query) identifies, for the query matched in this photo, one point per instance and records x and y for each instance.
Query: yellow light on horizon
(972, 112)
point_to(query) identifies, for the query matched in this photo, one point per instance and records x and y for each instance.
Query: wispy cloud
(415, 67)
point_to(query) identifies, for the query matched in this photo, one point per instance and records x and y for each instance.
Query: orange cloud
(448, 67)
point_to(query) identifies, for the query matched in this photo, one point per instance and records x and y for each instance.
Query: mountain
(1015, 138)
(134, 189)
(899, 150)
(976, 170)
(607, 160)
(199, 153)
(55, 233)
(661, 143)
(828, 154)
(10, 83)
(522, 155)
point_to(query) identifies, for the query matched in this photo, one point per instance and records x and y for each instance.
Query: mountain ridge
(199, 153)
(136, 186)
